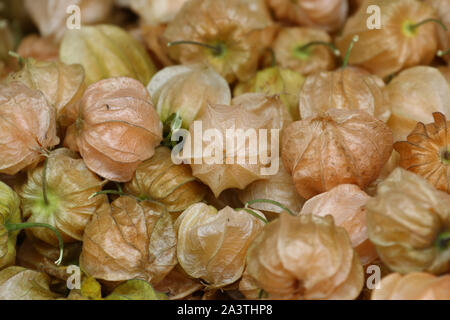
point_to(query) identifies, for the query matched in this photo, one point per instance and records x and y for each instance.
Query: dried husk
(347, 88)
(445, 71)
(342, 146)
(328, 15)
(413, 286)
(427, 152)
(155, 12)
(187, 90)
(283, 82)
(178, 285)
(346, 204)
(212, 244)
(225, 166)
(39, 48)
(236, 27)
(389, 166)
(406, 220)
(27, 127)
(17, 283)
(413, 96)
(129, 240)
(394, 46)
(443, 11)
(227, 198)
(158, 178)
(116, 129)
(305, 257)
(152, 35)
(9, 213)
(308, 61)
(51, 17)
(106, 51)
(7, 42)
(278, 187)
(69, 183)
(61, 84)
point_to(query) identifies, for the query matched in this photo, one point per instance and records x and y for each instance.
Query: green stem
(253, 213)
(11, 227)
(441, 53)
(119, 186)
(319, 43)
(18, 57)
(44, 182)
(413, 27)
(271, 202)
(216, 49)
(443, 240)
(349, 50)
(272, 55)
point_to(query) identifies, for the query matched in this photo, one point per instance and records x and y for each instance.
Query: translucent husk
(396, 45)
(212, 244)
(178, 285)
(328, 15)
(116, 129)
(406, 220)
(427, 152)
(39, 48)
(155, 12)
(158, 178)
(443, 11)
(340, 147)
(304, 257)
(9, 213)
(346, 204)
(106, 51)
(413, 286)
(346, 88)
(152, 35)
(413, 96)
(235, 29)
(388, 167)
(275, 81)
(187, 90)
(68, 184)
(287, 48)
(129, 240)
(27, 126)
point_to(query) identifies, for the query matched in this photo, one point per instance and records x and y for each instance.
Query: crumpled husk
(39, 48)
(178, 285)
(9, 213)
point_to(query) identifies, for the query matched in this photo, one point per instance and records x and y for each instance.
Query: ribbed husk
(116, 129)
(9, 213)
(152, 36)
(238, 26)
(388, 167)
(39, 48)
(106, 51)
(329, 15)
(405, 220)
(178, 285)
(392, 47)
(427, 152)
(413, 286)
(346, 88)
(69, 184)
(314, 59)
(413, 96)
(129, 240)
(443, 11)
(28, 126)
(342, 146)
(305, 257)
(61, 84)
(158, 178)
(155, 12)
(212, 244)
(346, 204)
(187, 90)
(17, 283)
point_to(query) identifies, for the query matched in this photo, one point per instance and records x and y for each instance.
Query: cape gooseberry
(39, 48)
(443, 11)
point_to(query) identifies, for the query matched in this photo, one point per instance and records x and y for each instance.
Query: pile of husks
(93, 205)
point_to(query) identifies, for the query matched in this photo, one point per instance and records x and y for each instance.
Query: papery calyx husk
(397, 44)
(61, 84)
(116, 129)
(413, 96)
(68, 184)
(27, 126)
(9, 213)
(212, 244)
(347, 88)
(427, 152)
(345, 203)
(290, 51)
(156, 12)
(305, 257)
(17, 283)
(173, 185)
(234, 28)
(178, 285)
(275, 81)
(187, 90)
(341, 146)
(129, 240)
(413, 286)
(408, 222)
(443, 11)
(106, 51)
(39, 48)
(328, 15)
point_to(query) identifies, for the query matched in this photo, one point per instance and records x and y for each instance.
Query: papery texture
(9, 213)
(39, 48)
(443, 11)
(156, 11)
(178, 285)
